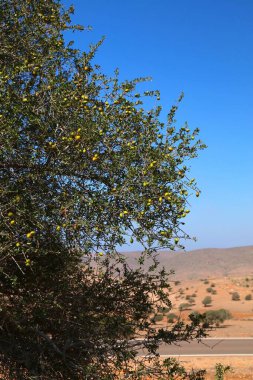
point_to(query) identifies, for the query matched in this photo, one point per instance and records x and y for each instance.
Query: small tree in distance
(207, 301)
(235, 296)
(217, 316)
(84, 169)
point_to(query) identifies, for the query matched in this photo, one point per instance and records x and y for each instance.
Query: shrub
(235, 296)
(211, 290)
(171, 317)
(158, 318)
(163, 309)
(207, 301)
(248, 297)
(217, 316)
(184, 306)
(221, 370)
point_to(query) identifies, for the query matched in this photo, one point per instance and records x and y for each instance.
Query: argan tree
(84, 169)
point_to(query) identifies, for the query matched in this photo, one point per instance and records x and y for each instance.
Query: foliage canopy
(84, 168)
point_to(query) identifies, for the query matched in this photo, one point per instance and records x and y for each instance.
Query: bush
(184, 306)
(206, 282)
(217, 316)
(211, 290)
(163, 309)
(221, 370)
(189, 298)
(207, 301)
(171, 317)
(235, 296)
(158, 318)
(248, 297)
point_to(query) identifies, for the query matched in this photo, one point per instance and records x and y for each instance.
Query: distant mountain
(204, 263)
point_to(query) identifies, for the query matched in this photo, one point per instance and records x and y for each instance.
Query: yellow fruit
(17, 244)
(58, 228)
(77, 137)
(100, 254)
(95, 157)
(12, 222)
(30, 234)
(27, 262)
(10, 213)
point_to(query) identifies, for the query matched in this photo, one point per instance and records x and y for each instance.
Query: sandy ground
(242, 367)
(241, 324)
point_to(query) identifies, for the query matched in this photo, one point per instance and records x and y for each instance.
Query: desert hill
(204, 263)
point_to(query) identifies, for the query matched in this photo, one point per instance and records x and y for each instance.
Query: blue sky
(205, 49)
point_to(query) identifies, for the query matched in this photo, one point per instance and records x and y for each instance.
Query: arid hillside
(204, 263)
